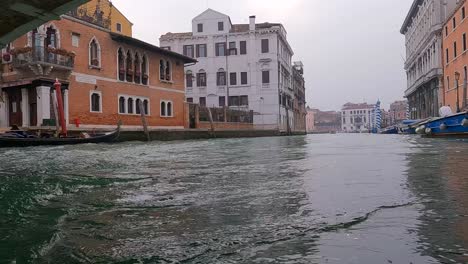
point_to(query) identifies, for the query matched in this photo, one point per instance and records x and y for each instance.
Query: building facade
(246, 66)
(104, 12)
(357, 118)
(455, 59)
(310, 120)
(106, 77)
(299, 101)
(398, 112)
(423, 28)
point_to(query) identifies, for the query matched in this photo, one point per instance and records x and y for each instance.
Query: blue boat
(408, 127)
(390, 130)
(455, 125)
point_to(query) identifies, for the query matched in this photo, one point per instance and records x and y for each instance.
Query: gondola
(11, 139)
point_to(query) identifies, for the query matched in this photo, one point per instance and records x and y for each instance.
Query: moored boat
(390, 130)
(455, 125)
(408, 127)
(21, 139)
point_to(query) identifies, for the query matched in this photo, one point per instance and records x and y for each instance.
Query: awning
(21, 16)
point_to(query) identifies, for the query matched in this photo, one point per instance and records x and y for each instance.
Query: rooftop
(236, 28)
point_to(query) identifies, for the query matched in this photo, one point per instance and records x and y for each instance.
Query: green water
(316, 199)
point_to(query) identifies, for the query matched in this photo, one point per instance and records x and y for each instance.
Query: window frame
(199, 84)
(98, 54)
(200, 28)
(91, 93)
(134, 101)
(217, 51)
(199, 101)
(185, 51)
(243, 47)
(220, 25)
(76, 36)
(263, 77)
(218, 78)
(246, 75)
(118, 27)
(265, 46)
(198, 49)
(231, 74)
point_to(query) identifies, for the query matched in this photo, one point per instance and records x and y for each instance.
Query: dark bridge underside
(21, 16)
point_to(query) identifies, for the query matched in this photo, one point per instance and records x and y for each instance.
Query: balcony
(95, 17)
(48, 62)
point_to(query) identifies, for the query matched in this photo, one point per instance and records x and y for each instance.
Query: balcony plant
(95, 62)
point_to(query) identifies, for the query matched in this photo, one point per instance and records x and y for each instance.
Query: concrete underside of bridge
(21, 16)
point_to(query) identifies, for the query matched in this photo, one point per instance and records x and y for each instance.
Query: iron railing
(43, 56)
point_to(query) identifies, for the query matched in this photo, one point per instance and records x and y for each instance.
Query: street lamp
(457, 78)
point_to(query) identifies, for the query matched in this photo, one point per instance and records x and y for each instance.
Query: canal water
(316, 199)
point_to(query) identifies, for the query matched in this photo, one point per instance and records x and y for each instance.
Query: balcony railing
(43, 56)
(95, 17)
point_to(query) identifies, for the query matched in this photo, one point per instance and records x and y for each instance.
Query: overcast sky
(351, 49)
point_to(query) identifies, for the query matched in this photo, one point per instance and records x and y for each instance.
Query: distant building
(299, 102)
(397, 112)
(323, 121)
(357, 118)
(310, 119)
(423, 30)
(244, 66)
(455, 43)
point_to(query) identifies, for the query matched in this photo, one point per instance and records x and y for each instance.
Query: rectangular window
(446, 31)
(463, 13)
(203, 101)
(96, 101)
(243, 78)
(265, 46)
(221, 78)
(265, 77)
(118, 27)
(220, 26)
(244, 100)
(189, 80)
(448, 83)
(222, 101)
(233, 78)
(454, 49)
(201, 50)
(234, 100)
(232, 48)
(464, 41)
(200, 28)
(75, 40)
(220, 49)
(446, 56)
(188, 50)
(454, 23)
(189, 100)
(201, 79)
(243, 47)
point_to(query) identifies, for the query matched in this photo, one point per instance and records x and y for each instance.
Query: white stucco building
(357, 118)
(423, 29)
(245, 65)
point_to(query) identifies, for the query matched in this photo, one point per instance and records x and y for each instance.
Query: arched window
(95, 102)
(129, 67)
(163, 108)
(189, 79)
(94, 53)
(121, 58)
(144, 70)
(122, 105)
(162, 69)
(168, 71)
(130, 105)
(169, 109)
(137, 68)
(145, 106)
(138, 109)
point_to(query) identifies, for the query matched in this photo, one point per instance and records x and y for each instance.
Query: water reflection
(438, 176)
(317, 199)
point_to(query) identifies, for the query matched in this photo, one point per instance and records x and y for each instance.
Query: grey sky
(352, 49)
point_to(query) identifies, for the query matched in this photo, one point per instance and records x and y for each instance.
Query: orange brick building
(104, 78)
(455, 59)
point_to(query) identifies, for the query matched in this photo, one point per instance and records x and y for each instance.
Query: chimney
(252, 23)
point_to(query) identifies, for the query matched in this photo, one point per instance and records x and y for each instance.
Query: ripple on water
(315, 199)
